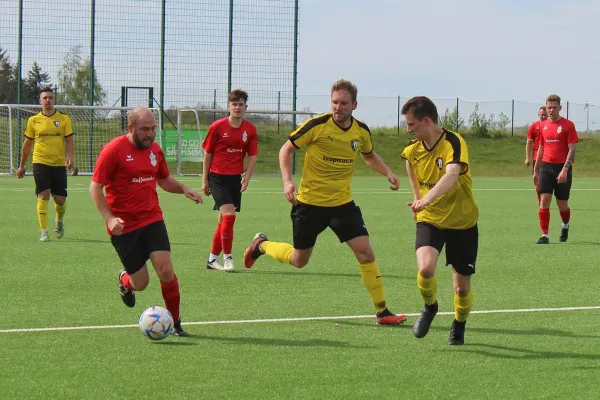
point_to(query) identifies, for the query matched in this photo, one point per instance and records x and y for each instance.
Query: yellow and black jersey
(455, 209)
(49, 133)
(329, 161)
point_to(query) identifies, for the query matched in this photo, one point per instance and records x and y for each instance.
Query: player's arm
(528, 150)
(285, 165)
(442, 187)
(171, 185)
(205, 171)
(70, 150)
(562, 177)
(375, 162)
(25, 152)
(538, 163)
(115, 225)
(248, 174)
(412, 178)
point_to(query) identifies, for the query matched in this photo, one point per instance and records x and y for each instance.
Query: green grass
(72, 282)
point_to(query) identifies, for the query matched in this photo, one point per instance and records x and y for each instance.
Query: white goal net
(93, 127)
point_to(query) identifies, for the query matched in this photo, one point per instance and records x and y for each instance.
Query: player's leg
(59, 193)
(461, 253)
(216, 247)
(562, 193)
(428, 244)
(546, 184)
(41, 176)
(228, 212)
(307, 223)
(134, 276)
(155, 241)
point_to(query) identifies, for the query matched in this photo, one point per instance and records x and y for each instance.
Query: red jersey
(129, 175)
(556, 137)
(533, 133)
(229, 146)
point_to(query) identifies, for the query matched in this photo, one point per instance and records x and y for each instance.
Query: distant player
(553, 171)
(437, 164)
(226, 145)
(50, 130)
(129, 168)
(533, 137)
(333, 141)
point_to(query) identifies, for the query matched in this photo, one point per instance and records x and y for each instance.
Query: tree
(451, 119)
(34, 83)
(74, 80)
(8, 81)
(480, 124)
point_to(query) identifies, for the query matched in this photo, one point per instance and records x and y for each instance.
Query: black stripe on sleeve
(456, 148)
(310, 124)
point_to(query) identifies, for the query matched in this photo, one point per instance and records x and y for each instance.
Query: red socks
(216, 246)
(544, 215)
(566, 216)
(125, 281)
(170, 292)
(227, 233)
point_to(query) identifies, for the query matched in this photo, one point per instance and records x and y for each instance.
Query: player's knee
(427, 271)
(462, 290)
(44, 195)
(165, 272)
(139, 283)
(60, 200)
(365, 256)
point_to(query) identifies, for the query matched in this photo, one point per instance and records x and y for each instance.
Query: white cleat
(44, 236)
(60, 229)
(214, 264)
(228, 265)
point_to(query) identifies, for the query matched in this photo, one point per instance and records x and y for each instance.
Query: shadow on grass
(291, 271)
(107, 240)
(267, 342)
(517, 353)
(523, 332)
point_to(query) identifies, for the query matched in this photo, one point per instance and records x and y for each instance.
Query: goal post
(93, 128)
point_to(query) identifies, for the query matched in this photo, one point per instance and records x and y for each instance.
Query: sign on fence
(191, 145)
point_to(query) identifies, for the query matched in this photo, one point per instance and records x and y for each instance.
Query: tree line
(72, 84)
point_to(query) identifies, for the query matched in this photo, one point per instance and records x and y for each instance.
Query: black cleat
(457, 333)
(127, 295)
(421, 327)
(253, 251)
(178, 330)
(543, 240)
(564, 234)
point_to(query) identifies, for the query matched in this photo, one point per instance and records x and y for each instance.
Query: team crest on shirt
(152, 159)
(439, 162)
(559, 130)
(56, 123)
(244, 137)
(354, 144)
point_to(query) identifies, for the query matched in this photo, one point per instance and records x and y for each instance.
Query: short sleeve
(163, 169)
(106, 166)
(530, 131)
(457, 152)
(68, 126)
(305, 134)
(253, 143)
(572, 135)
(366, 145)
(29, 133)
(210, 141)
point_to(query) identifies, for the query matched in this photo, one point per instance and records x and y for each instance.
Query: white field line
(272, 320)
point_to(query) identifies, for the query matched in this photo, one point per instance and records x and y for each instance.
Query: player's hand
(535, 178)
(290, 191)
(418, 205)
(115, 225)
(69, 163)
(245, 182)
(192, 195)
(393, 179)
(562, 177)
(414, 215)
(205, 188)
(20, 173)
(527, 162)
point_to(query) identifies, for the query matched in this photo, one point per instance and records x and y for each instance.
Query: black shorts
(226, 189)
(309, 221)
(547, 181)
(461, 245)
(48, 177)
(134, 247)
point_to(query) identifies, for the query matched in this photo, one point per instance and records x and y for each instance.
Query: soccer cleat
(214, 264)
(60, 229)
(228, 265)
(421, 327)
(127, 295)
(543, 240)
(457, 333)
(178, 330)
(386, 317)
(253, 251)
(564, 234)
(44, 236)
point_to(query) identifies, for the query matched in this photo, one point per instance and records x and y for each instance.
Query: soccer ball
(156, 323)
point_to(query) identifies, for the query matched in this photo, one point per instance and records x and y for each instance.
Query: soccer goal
(93, 127)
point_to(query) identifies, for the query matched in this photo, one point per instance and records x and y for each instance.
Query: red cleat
(387, 318)
(253, 251)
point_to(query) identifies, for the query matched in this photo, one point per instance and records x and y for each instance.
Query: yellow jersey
(329, 161)
(455, 209)
(49, 133)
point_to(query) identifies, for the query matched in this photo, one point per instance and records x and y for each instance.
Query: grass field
(277, 332)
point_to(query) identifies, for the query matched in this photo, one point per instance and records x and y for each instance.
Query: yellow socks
(60, 211)
(463, 306)
(279, 251)
(42, 213)
(428, 288)
(374, 284)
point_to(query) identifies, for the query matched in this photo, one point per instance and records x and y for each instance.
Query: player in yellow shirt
(324, 200)
(437, 163)
(49, 130)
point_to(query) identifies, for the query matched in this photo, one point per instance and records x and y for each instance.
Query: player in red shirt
(226, 144)
(533, 136)
(129, 168)
(552, 172)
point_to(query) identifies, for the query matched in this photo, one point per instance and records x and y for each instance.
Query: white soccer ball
(156, 323)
